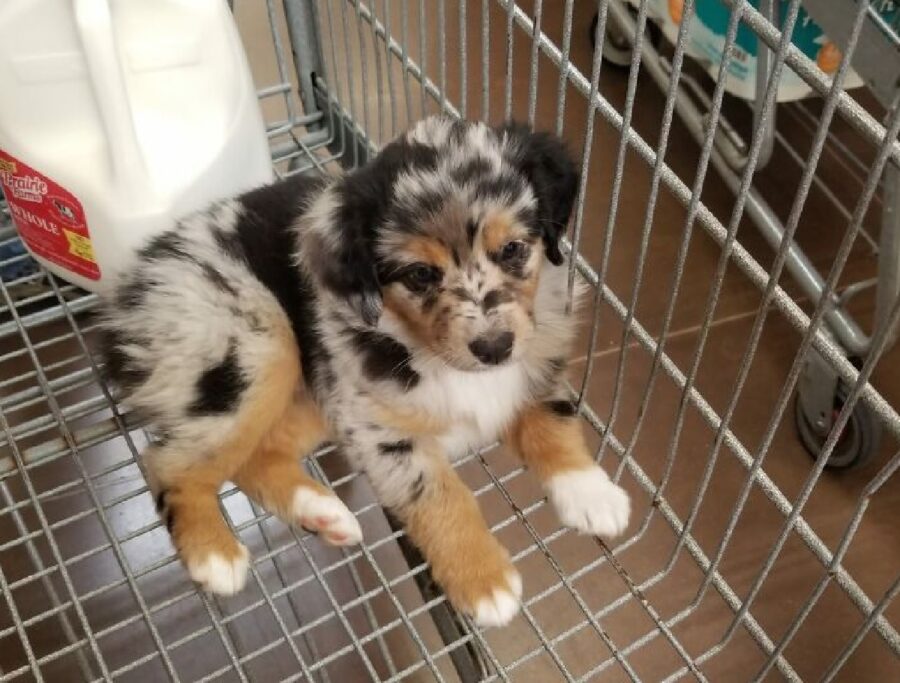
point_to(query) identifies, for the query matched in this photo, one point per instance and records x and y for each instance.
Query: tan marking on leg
(466, 560)
(547, 443)
(274, 478)
(273, 472)
(271, 392)
(210, 552)
(203, 539)
(582, 494)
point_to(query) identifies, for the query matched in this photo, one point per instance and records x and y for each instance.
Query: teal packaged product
(706, 42)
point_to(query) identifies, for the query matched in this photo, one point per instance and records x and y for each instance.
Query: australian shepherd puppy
(409, 311)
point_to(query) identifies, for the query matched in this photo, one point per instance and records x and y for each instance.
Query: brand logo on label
(30, 188)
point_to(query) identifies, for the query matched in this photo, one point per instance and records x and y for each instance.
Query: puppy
(410, 311)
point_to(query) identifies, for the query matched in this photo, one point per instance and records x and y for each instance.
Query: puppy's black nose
(493, 350)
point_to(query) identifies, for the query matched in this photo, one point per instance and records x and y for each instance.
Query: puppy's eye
(514, 252)
(420, 277)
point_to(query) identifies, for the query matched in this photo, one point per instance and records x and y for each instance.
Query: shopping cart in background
(741, 562)
(876, 62)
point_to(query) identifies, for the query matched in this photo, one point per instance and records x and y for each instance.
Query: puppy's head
(448, 229)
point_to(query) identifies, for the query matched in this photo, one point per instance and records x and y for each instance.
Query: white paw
(588, 501)
(327, 516)
(502, 605)
(220, 575)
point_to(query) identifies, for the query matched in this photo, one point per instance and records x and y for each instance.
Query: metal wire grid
(90, 586)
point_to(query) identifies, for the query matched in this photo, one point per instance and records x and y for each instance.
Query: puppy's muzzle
(493, 350)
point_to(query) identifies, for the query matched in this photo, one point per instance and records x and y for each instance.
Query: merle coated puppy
(410, 311)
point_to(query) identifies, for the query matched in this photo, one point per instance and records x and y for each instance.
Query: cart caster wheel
(857, 443)
(617, 47)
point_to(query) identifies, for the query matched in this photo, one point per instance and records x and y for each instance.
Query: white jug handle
(94, 24)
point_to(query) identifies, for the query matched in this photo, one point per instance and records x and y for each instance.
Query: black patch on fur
(133, 292)
(219, 387)
(391, 271)
(515, 267)
(474, 169)
(562, 408)
(409, 214)
(458, 130)
(385, 358)
(168, 245)
(494, 298)
(119, 367)
(456, 260)
(403, 155)
(506, 187)
(471, 231)
(396, 448)
(557, 365)
(417, 489)
(162, 507)
(217, 279)
(263, 238)
(417, 156)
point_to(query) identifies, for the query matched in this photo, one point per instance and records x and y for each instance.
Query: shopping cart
(742, 562)
(821, 391)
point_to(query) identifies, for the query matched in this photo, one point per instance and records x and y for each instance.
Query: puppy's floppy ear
(344, 222)
(339, 240)
(544, 160)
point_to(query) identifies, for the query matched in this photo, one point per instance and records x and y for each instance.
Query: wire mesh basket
(745, 559)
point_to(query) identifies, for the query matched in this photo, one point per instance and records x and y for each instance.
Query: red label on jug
(49, 218)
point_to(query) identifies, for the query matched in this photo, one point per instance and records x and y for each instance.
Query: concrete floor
(554, 631)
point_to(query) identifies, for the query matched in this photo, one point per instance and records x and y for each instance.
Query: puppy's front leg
(417, 484)
(548, 438)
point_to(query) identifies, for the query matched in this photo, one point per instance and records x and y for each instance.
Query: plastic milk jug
(117, 117)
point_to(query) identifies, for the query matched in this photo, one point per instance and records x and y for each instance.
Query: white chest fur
(480, 405)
